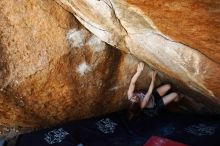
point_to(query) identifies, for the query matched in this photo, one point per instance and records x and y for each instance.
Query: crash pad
(116, 130)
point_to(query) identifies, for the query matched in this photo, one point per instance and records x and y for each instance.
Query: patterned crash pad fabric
(55, 136)
(116, 130)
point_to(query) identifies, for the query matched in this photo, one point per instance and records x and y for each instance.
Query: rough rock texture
(32, 38)
(179, 38)
(53, 70)
(191, 22)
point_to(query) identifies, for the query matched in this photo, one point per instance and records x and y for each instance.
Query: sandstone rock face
(32, 40)
(53, 70)
(181, 39)
(193, 23)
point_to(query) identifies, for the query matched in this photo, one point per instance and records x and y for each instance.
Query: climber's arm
(134, 79)
(149, 92)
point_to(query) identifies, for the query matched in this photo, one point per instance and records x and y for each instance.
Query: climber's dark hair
(133, 111)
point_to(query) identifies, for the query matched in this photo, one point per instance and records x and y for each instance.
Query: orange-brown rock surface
(179, 38)
(191, 22)
(53, 70)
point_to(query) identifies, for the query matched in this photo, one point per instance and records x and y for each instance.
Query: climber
(148, 101)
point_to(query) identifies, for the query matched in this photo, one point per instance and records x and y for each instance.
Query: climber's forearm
(132, 84)
(148, 95)
(135, 77)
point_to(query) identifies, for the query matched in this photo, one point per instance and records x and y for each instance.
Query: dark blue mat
(115, 130)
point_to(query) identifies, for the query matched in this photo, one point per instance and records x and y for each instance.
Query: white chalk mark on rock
(96, 44)
(83, 68)
(76, 38)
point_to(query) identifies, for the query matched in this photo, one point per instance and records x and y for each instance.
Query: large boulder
(180, 39)
(33, 39)
(53, 70)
